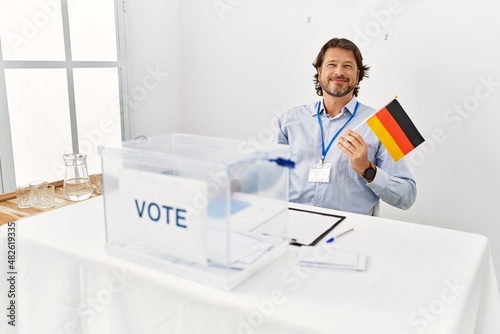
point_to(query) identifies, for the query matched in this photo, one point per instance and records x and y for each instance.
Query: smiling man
(337, 167)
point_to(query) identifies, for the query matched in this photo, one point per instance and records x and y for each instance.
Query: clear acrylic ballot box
(208, 209)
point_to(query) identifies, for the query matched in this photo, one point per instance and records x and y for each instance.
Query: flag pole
(376, 111)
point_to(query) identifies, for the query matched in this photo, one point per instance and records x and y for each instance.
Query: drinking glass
(97, 182)
(47, 196)
(37, 186)
(25, 196)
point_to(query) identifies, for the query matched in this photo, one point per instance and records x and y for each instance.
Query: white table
(419, 279)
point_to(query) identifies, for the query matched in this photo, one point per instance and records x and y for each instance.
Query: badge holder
(320, 172)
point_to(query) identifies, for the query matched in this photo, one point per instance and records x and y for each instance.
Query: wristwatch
(369, 173)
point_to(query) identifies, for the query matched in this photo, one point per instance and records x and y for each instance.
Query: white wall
(152, 38)
(243, 66)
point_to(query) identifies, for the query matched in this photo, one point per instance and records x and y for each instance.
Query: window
(60, 92)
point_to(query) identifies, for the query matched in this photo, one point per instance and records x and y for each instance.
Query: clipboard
(308, 227)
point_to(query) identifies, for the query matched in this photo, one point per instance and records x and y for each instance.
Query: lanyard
(323, 150)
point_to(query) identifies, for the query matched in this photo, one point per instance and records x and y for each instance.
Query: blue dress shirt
(347, 190)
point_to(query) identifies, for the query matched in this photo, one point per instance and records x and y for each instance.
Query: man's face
(338, 75)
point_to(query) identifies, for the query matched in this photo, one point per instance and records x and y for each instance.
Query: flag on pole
(395, 130)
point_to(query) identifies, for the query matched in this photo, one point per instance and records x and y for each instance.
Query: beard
(337, 91)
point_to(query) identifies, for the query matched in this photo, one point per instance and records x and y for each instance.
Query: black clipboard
(338, 220)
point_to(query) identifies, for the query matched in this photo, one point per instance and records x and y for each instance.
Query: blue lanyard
(323, 150)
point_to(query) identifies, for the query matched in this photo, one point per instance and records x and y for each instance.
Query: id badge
(320, 172)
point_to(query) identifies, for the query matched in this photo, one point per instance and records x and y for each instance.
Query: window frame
(7, 168)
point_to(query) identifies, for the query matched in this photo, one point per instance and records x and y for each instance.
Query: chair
(376, 210)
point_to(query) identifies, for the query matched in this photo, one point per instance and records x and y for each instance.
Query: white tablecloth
(419, 279)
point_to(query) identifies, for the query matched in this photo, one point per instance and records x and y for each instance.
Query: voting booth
(204, 208)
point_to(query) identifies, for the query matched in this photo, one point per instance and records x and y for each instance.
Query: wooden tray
(9, 211)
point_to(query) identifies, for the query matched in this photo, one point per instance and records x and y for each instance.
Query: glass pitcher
(77, 185)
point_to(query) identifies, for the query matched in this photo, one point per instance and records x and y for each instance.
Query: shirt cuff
(380, 182)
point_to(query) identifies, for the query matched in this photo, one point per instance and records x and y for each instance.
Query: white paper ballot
(244, 250)
(331, 258)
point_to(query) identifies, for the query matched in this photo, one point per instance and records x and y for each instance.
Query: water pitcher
(77, 185)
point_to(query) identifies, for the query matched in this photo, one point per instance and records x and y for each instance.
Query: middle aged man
(337, 167)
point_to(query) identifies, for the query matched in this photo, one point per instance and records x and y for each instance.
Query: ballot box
(205, 208)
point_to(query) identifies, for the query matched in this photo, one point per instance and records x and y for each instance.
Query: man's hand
(356, 149)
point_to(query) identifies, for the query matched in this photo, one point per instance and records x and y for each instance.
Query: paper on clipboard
(308, 227)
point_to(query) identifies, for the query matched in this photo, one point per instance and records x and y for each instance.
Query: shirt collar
(349, 107)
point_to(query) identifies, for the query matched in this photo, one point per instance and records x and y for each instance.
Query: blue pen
(333, 238)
